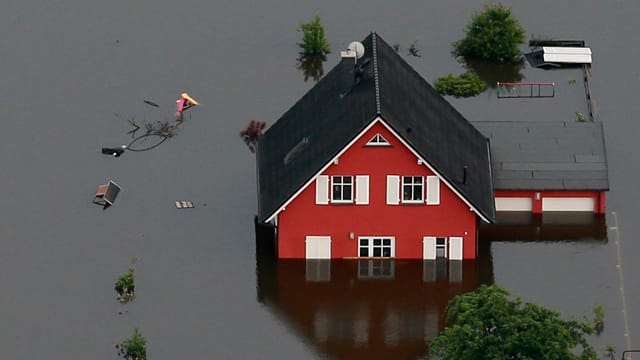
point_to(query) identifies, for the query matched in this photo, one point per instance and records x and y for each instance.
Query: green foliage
(134, 348)
(125, 287)
(598, 321)
(492, 35)
(487, 324)
(610, 351)
(465, 85)
(313, 39)
(580, 117)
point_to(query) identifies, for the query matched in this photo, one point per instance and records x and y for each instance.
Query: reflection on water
(492, 73)
(391, 309)
(524, 226)
(366, 308)
(311, 66)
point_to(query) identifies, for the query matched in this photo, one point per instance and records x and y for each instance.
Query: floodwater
(74, 72)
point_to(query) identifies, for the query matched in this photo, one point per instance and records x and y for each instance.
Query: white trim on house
(354, 140)
(429, 248)
(455, 248)
(322, 190)
(318, 247)
(362, 189)
(514, 204)
(568, 204)
(378, 140)
(433, 190)
(393, 189)
(425, 163)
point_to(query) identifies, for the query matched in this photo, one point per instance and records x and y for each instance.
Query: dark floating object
(106, 194)
(116, 152)
(151, 103)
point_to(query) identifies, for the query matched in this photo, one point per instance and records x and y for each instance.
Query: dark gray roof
(328, 117)
(546, 155)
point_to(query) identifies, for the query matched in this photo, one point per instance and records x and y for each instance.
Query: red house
(372, 162)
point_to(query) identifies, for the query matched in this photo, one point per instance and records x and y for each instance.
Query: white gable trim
(433, 170)
(355, 139)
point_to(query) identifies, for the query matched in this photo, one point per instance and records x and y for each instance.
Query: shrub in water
(313, 40)
(465, 85)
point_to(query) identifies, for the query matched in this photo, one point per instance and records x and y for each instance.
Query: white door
(318, 247)
(568, 204)
(455, 248)
(429, 248)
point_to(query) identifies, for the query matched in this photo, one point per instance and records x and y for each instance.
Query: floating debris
(184, 204)
(151, 103)
(106, 194)
(184, 103)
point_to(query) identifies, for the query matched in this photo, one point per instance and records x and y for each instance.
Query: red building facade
(358, 216)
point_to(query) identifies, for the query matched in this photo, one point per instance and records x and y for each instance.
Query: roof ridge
(375, 72)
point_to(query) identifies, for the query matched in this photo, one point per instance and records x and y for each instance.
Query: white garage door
(514, 204)
(318, 247)
(568, 204)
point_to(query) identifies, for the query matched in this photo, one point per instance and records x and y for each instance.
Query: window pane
(439, 241)
(364, 242)
(386, 252)
(377, 252)
(364, 252)
(440, 252)
(377, 242)
(346, 179)
(386, 242)
(347, 193)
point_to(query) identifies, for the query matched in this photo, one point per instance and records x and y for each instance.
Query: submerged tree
(487, 324)
(492, 35)
(313, 39)
(252, 132)
(133, 348)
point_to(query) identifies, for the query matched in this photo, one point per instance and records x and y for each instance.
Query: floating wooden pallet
(184, 204)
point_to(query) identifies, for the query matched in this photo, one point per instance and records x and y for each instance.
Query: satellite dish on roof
(356, 47)
(355, 50)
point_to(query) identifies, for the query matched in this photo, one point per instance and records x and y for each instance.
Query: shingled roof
(547, 155)
(323, 122)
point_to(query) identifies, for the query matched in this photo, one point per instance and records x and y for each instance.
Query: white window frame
(455, 248)
(444, 245)
(342, 186)
(412, 186)
(393, 189)
(378, 140)
(371, 246)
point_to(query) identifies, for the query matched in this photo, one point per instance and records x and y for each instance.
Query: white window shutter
(322, 190)
(362, 189)
(455, 248)
(429, 248)
(433, 190)
(393, 189)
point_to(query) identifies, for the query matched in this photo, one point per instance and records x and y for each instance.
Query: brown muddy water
(74, 72)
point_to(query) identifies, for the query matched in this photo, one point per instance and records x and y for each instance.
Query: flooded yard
(75, 73)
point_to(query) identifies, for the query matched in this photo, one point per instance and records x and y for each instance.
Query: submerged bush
(492, 35)
(313, 40)
(134, 348)
(125, 287)
(465, 85)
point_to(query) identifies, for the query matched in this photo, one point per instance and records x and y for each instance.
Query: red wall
(407, 223)
(598, 196)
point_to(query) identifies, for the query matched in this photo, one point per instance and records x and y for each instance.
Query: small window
(412, 189)
(378, 140)
(342, 189)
